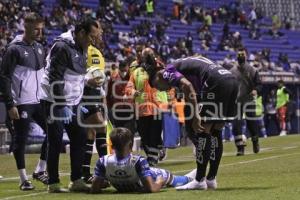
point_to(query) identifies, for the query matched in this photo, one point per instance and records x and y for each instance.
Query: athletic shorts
(217, 102)
(95, 104)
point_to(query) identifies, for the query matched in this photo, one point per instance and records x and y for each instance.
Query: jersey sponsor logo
(223, 71)
(95, 61)
(120, 172)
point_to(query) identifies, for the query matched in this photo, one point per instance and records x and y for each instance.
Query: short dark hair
(120, 137)
(33, 17)
(85, 24)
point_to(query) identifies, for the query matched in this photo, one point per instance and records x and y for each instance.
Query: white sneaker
(79, 186)
(194, 185)
(212, 184)
(192, 174)
(282, 133)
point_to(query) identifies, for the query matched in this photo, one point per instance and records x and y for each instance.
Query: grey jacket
(248, 79)
(63, 80)
(21, 71)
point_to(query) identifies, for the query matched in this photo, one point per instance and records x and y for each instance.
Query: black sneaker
(162, 154)
(26, 185)
(256, 147)
(240, 150)
(152, 162)
(41, 176)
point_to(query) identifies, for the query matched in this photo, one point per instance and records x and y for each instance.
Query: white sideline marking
(21, 196)
(244, 162)
(30, 176)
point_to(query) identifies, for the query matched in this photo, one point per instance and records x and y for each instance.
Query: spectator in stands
(189, 43)
(236, 41)
(150, 5)
(207, 19)
(276, 25)
(252, 18)
(164, 51)
(283, 62)
(205, 37)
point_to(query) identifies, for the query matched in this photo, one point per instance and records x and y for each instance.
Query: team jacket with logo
(21, 71)
(63, 80)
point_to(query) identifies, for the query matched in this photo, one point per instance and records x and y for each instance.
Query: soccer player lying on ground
(128, 172)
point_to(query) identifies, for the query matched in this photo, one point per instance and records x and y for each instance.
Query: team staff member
(202, 81)
(20, 77)
(249, 81)
(63, 84)
(94, 93)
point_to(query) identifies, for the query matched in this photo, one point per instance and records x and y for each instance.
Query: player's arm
(98, 184)
(99, 181)
(191, 98)
(9, 62)
(152, 186)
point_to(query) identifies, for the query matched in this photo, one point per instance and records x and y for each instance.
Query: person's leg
(39, 116)
(216, 154)
(155, 140)
(252, 125)
(22, 127)
(143, 128)
(88, 154)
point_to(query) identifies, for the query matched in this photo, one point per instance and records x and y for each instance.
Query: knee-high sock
(203, 148)
(216, 153)
(87, 157)
(101, 145)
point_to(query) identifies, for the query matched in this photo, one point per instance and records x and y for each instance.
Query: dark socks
(216, 153)
(87, 157)
(203, 148)
(101, 145)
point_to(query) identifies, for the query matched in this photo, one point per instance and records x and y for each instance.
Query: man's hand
(94, 82)
(13, 113)
(160, 180)
(196, 125)
(137, 93)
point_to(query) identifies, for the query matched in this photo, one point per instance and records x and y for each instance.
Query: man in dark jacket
(20, 76)
(249, 81)
(62, 89)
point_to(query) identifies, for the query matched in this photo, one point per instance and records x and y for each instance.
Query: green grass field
(272, 174)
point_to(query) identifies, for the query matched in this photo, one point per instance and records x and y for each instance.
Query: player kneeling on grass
(128, 172)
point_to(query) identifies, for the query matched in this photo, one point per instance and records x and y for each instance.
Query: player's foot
(41, 176)
(194, 185)
(282, 133)
(256, 147)
(212, 184)
(240, 150)
(26, 185)
(88, 179)
(57, 188)
(162, 154)
(1, 177)
(152, 162)
(192, 174)
(79, 186)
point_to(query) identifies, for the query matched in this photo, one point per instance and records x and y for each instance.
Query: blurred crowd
(119, 46)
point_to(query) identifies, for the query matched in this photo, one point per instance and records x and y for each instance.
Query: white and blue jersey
(126, 174)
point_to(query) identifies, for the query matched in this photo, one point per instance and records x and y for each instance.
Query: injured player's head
(122, 141)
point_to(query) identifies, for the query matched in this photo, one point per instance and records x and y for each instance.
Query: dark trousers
(124, 120)
(150, 130)
(77, 136)
(251, 123)
(28, 113)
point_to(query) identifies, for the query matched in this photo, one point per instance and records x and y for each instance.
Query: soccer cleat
(56, 188)
(194, 185)
(26, 185)
(240, 150)
(41, 176)
(212, 184)
(1, 177)
(256, 147)
(152, 162)
(192, 174)
(78, 186)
